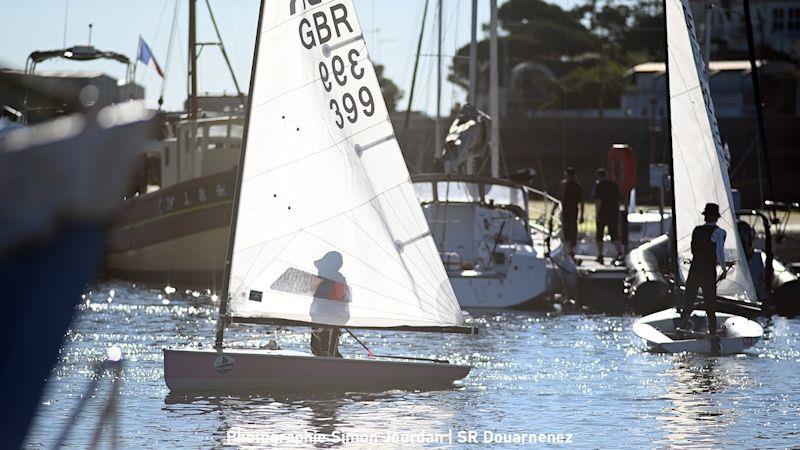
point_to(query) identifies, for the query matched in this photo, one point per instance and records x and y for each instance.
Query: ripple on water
(533, 372)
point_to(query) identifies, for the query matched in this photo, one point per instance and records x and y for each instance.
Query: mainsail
(701, 174)
(328, 229)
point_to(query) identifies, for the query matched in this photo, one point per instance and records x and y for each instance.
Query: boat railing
(544, 211)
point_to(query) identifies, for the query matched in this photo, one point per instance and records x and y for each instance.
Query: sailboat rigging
(698, 176)
(326, 228)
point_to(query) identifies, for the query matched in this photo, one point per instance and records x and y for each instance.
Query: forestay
(701, 172)
(329, 230)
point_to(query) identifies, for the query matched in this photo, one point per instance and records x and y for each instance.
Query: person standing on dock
(571, 202)
(708, 253)
(607, 199)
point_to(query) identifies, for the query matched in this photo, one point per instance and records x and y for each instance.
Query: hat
(712, 211)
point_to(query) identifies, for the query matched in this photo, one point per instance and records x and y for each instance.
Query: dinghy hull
(736, 334)
(231, 370)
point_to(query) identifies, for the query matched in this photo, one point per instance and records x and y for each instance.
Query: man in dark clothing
(708, 254)
(607, 199)
(571, 199)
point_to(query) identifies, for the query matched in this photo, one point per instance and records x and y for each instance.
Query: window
(458, 191)
(424, 192)
(505, 195)
(793, 24)
(777, 19)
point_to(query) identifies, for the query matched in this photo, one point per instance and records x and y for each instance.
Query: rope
(410, 358)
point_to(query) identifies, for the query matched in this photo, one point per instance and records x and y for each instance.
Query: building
(731, 89)
(776, 27)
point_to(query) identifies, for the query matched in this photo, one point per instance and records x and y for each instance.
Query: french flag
(146, 56)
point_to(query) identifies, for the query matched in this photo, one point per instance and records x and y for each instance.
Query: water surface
(582, 376)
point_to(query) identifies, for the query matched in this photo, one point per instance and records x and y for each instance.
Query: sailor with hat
(708, 253)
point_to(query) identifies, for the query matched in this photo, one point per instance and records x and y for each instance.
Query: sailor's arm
(719, 237)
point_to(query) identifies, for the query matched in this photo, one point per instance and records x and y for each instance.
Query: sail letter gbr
(323, 24)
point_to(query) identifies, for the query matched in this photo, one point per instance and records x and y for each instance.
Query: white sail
(329, 230)
(701, 174)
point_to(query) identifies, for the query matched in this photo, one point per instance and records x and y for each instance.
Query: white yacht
(481, 228)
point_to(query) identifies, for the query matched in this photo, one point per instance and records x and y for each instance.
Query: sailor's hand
(723, 275)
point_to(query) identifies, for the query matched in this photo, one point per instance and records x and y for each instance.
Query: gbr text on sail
(332, 30)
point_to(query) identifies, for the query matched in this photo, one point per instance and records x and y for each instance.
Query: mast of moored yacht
(494, 101)
(438, 133)
(192, 61)
(472, 96)
(762, 137)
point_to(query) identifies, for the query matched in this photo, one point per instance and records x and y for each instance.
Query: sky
(391, 31)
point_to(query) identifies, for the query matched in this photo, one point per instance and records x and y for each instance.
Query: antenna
(66, 16)
(90, 34)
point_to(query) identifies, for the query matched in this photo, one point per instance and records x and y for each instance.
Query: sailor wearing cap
(708, 253)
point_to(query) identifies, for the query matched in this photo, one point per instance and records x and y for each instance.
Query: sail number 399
(350, 106)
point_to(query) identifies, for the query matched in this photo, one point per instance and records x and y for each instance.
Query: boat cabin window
(424, 192)
(458, 191)
(504, 196)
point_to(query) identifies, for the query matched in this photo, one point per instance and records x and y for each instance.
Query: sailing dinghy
(326, 228)
(736, 333)
(699, 176)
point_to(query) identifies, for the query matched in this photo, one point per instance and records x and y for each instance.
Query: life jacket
(704, 250)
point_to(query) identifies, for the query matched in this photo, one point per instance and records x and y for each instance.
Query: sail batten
(329, 230)
(698, 158)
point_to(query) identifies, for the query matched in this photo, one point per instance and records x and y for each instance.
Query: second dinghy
(326, 229)
(699, 176)
(735, 335)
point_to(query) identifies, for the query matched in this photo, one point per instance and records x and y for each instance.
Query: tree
(391, 93)
(584, 51)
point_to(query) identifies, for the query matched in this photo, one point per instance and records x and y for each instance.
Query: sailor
(325, 342)
(332, 287)
(571, 199)
(607, 200)
(708, 254)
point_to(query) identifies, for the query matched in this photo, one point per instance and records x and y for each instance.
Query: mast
(674, 232)
(222, 49)
(407, 119)
(222, 317)
(707, 35)
(192, 60)
(472, 96)
(494, 105)
(762, 137)
(438, 134)
(473, 56)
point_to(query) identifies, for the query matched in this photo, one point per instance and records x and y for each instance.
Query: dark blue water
(585, 377)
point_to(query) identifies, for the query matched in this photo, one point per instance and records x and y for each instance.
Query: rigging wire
(175, 15)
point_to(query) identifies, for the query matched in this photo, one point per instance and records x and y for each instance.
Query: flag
(146, 56)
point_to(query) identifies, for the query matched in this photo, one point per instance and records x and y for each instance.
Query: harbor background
(534, 373)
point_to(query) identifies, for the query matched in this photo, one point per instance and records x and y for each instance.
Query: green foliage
(588, 47)
(391, 93)
(596, 86)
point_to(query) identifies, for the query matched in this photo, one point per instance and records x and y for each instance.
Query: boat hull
(658, 332)
(229, 370)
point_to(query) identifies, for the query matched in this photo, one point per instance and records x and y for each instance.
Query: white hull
(525, 281)
(658, 332)
(241, 370)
